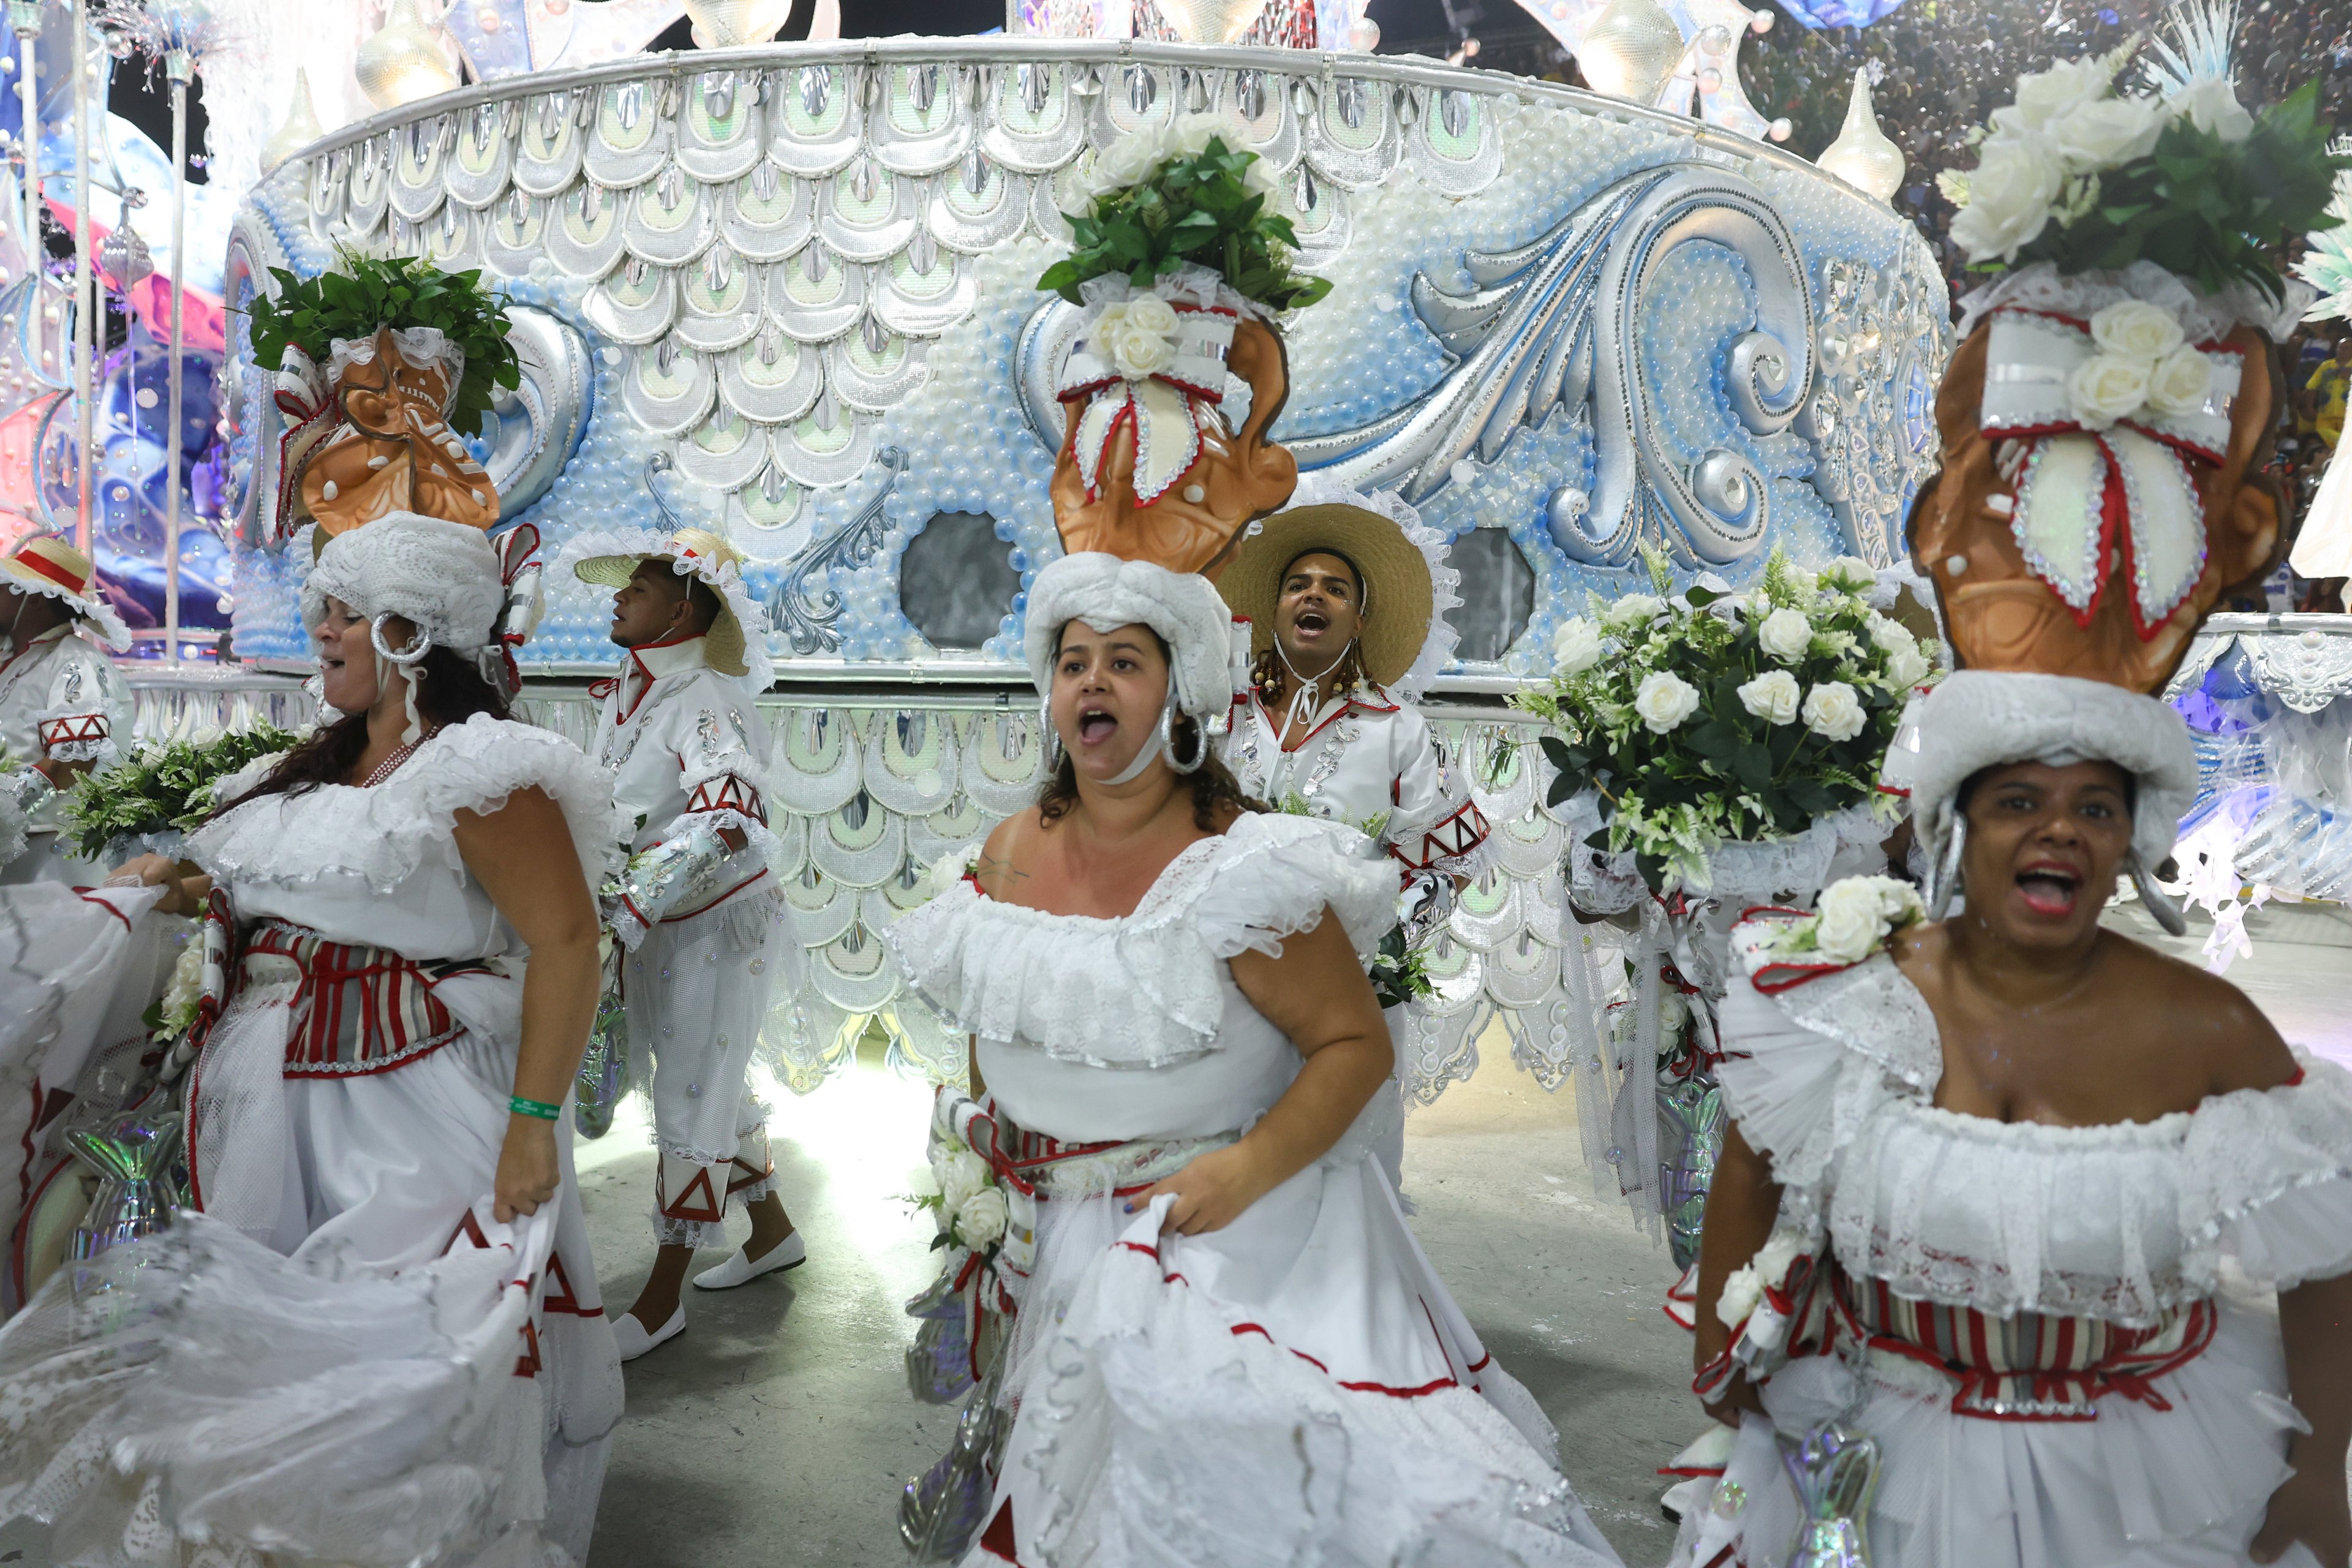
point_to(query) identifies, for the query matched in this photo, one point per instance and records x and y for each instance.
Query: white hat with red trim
(48, 565)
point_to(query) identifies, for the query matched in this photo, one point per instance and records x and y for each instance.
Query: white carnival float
(788, 294)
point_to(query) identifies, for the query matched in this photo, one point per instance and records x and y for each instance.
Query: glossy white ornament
(1631, 51)
(1862, 155)
(402, 62)
(298, 130)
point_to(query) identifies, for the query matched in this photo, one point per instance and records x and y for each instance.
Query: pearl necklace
(390, 765)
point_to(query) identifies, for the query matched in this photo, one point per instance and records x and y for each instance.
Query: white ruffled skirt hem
(1297, 1386)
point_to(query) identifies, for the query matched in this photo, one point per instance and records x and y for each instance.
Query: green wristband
(537, 1108)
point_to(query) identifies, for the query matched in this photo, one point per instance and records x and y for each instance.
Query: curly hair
(452, 691)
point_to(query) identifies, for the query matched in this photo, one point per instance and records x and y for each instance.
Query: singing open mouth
(2049, 887)
(1312, 622)
(1096, 725)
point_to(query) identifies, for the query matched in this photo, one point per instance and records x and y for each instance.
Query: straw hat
(610, 559)
(48, 565)
(1404, 639)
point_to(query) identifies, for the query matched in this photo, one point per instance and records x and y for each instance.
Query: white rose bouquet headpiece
(1712, 717)
(1173, 241)
(2090, 173)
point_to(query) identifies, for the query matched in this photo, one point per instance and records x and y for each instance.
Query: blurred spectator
(2326, 391)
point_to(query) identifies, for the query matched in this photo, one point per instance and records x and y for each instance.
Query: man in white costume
(1345, 595)
(64, 709)
(704, 926)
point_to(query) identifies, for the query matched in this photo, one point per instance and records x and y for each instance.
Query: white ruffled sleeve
(1806, 1066)
(392, 830)
(1273, 877)
(1147, 989)
(2268, 1176)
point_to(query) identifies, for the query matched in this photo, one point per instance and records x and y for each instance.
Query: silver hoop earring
(1168, 741)
(1053, 741)
(1944, 880)
(2155, 899)
(403, 656)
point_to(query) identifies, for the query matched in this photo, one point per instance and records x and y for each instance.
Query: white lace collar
(385, 834)
(1147, 988)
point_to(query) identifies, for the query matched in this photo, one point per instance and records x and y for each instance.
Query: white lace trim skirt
(364, 1368)
(2139, 1487)
(1298, 1385)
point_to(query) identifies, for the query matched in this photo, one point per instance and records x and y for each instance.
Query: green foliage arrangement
(2213, 211)
(1184, 198)
(163, 787)
(364, 293)
(1714, 718)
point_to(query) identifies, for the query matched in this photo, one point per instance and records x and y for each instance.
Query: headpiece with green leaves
(1187, 196)
(364, 294)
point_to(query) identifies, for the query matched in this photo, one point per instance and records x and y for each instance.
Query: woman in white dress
(378, 1341)
(1228, 1349)
(2063, 1227)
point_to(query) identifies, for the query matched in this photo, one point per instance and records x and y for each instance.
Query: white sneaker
(634, 1341)
(789, 1253)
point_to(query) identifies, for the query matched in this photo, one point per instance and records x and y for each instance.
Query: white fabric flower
(1834, 712)
(2212, 105)
(2133, 328)
(1888, 633)
(1129, 161)
(1673, 1015)
(949, 869)
(2180, 381)
(1785, 634)
(1138, 336)
(2106, 133)
(1189, 135)
(2010, 195)
(926, 1184)
(1907, 668)
(980, 1218)
(2106, 388)
(1743, 1287)
(1772, 697)
(1576, 647)
(1664, 700)
(2047, 95)
(1849, 926)
(1780, 1252)
(960, 1175)
(1849, 575)
(1633, 610)
(185, 992)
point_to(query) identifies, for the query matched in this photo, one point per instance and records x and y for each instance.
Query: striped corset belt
(2030, 1366)
(357, 1009)
(1044, 1167)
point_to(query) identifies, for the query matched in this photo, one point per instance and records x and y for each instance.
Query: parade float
(787, 294)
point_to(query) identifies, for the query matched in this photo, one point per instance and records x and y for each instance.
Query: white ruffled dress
(2180, 1227)
(1298, 1385)
(343, 1358)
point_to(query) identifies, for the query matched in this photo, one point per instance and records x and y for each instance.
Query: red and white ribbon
(2094, 495)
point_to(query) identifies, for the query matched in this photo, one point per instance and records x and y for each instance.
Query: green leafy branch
(163, 787)
(1191, 210)
(365, 293)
